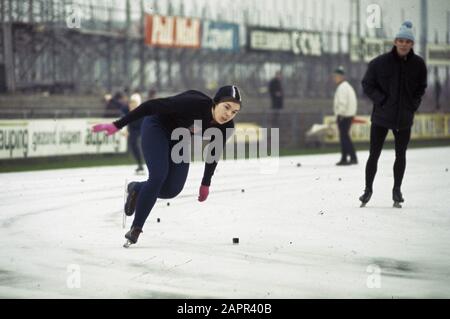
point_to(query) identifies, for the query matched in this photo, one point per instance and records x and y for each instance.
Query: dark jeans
(133, 142)
(377, 138)
(347, 148)
(166, 178)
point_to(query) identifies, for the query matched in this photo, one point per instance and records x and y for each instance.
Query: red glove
(203, 193)
(109, 128)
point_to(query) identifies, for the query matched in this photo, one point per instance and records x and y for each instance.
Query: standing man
(134, 133)
(437, 91)
(395, 82)
(344, 106)
(276, 96)
(276, 91)
(117, 105)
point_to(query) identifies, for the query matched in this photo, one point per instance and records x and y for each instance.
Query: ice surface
(301, 233)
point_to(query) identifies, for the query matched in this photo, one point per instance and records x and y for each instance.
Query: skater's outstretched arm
(191, 103)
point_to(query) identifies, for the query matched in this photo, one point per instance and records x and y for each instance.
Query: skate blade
(363, 204)
(127, 244)
(397, 205)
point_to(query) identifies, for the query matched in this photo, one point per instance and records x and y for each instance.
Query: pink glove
(109, 128)
(203, 193)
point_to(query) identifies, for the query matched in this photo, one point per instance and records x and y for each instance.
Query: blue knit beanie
(405, 31)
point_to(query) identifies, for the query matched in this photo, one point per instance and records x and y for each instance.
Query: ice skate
(130, 204)
(132, 236)
(364, 198)
(139, 171)
(397, 197)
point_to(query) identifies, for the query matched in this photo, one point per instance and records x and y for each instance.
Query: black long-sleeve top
(275, 88)
(181, 111)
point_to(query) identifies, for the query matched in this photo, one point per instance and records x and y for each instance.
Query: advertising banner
(265, 39)
(304, 43)
(176, 32)
(41, 138)
(438, 54)
(426, 126)
(220, 36)
(366, 49)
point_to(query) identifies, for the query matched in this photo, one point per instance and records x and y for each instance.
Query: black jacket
(276, 93)
(275, 88)
(115, 108)
(181, 111)
(396, 87)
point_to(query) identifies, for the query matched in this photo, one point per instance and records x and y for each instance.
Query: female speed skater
(162, 116)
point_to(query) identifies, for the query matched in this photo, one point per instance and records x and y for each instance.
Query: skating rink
(302, 233)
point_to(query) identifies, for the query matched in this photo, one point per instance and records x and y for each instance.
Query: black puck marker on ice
(298, 164)
(235, 240)
(168, 203)
(158, 220)
(242, 190)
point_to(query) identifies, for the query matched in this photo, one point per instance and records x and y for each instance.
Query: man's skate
(397, 197)
(140, 171)
(364, 198)
(130, 204)
(132, 236)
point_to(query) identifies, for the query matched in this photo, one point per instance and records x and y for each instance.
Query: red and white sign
(175, 32)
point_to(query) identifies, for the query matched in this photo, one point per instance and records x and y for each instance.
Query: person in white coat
(344, 105)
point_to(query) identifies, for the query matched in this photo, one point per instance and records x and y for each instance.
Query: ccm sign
(298, 42)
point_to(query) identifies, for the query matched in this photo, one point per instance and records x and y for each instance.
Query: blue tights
(166, 178)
